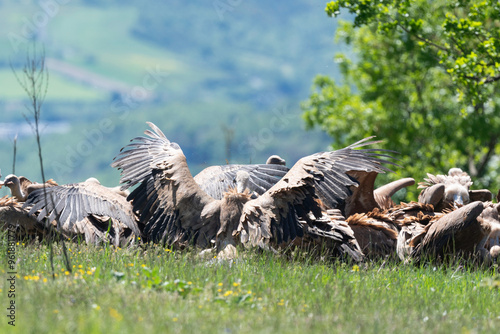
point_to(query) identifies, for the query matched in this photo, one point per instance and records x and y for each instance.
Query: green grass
(156, 290)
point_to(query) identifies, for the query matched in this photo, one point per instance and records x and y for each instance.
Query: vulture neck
(17, 192)
(230, 213)
(234, 201)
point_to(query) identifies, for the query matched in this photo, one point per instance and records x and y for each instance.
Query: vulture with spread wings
(174, 209)
(86, 208)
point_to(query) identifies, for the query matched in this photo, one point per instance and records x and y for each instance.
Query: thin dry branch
(35, 82)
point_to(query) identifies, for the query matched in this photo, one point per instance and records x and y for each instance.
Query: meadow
(154, 289)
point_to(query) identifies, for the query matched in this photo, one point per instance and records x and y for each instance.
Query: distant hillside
(198, 72)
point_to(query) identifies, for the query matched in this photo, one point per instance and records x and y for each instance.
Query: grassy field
(156, 290)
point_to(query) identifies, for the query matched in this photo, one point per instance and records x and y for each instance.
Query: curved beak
(457, 201)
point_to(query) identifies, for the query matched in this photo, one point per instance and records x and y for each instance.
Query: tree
(424, 76)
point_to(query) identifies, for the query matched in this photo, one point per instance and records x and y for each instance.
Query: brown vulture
(463, 231)
(174, 209)
(20, 187)
(87, 208)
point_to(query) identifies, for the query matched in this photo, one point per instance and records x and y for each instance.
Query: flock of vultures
(326, 204)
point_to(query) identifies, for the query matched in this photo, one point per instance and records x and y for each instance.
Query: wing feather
(216, 180)
(324, 173)
(72, 203)
(169, 202)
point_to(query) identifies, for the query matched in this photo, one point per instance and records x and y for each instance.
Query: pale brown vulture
(88, 209)
(17, 221)
(452, 190)
(494, 221)
(175, 210)
(462, 232)
(20, 187)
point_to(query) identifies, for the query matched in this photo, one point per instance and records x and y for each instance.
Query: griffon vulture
(463, 231)
(86, 208)
(452, 190)
(175, 210)
(20, 187)
(17, 220)
(375, 237)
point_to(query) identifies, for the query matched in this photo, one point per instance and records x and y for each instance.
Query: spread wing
(172, 208)
(73, 203)
(455, 231)
(216, 180)
(274, 216)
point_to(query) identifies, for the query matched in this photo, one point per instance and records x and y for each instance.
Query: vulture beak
(1, 184)
(457, 201)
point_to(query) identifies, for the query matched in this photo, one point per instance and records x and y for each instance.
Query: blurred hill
(221, 78)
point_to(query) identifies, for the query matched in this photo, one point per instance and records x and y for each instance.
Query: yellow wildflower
(115, 314)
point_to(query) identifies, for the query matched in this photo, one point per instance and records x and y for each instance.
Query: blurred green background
(224, 79)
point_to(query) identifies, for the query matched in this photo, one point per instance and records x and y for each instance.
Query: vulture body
(463, 231)
(174, 209)
(411, 220)
(20, 187)
(375, 232)
(86, 208)
(15, 219)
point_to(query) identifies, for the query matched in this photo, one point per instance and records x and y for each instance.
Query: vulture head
(14, 184)
(93, 180)
(456, 195)
(275, 160)
(447, 191)
(242, 178)
(118, 190)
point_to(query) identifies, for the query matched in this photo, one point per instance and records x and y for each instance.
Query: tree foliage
(424, 76)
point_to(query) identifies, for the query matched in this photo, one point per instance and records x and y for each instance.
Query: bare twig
(228, 139)
(15, 154)
(34, 82)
